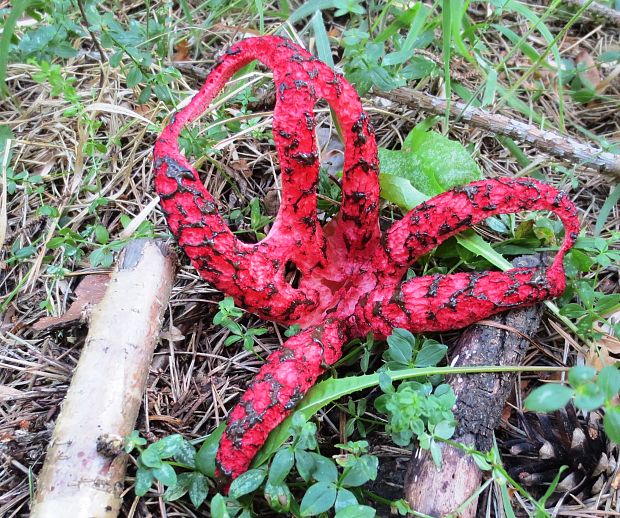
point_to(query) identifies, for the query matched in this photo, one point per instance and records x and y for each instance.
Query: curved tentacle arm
(443, 216)
(254, 274)
(442, 302)
(277, 388)
(445, 302)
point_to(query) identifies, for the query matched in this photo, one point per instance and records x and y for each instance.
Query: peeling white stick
(565, 148)
(107, 388)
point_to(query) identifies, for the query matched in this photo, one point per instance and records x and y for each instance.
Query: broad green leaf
(186, 454)
(165, 474)
(549, 397)
(205, 458)
(246, 483)
(144, 479)
(318, 499)
(151, 458)
(344, 499)
(356, 511)
(218, 507)
(611, 423)
(362, 471)
(324, 469)
(175, 492)
(446, 163)
(431, 354)
(281, 465)
(168, 446)
(608, 381)
(198, 489)
(589, 397)
(399, 191)
(581, 374)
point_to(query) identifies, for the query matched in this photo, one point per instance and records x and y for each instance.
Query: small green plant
(416, 409)
(157, 462)
(589, 391)
(225, 318)
(331, 483)
(406, 352)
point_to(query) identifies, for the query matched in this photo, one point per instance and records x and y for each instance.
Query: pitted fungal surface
(351, 274)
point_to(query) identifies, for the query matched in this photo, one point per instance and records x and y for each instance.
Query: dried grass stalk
(107, 388)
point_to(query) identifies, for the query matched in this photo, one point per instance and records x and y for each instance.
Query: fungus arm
(442, 302)
(284, 379)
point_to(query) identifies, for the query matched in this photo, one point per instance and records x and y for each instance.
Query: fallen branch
(480, 401)
(106, 391)
(565, 148)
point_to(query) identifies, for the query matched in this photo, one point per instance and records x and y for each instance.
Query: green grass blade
(323, 48)
(310, 8)
(5, 41)
(610, 203)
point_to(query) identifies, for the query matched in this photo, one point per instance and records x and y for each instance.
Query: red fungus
(351, 275)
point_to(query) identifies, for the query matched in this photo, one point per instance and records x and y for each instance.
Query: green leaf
(18, 7)
(175, 492)
(611, 202)
(281, 465)
(186, 454)
(218, 507)
(246, 483)
(549, 397)
(144, 479)
(444, 429)
(581, 374)
(323, 48)
(400, 346)
(165, 474)
(134, 77)
(589, 397)
(608, 381)
(324, 469)
(198, 489)
(362, 471)
(304, 462)
(205, 458)
(611, 423)
(356, 511)
(168, 446)
(474, 243)
(319, 498)
(399, 191)
(151, 458)
(431, 162)
(435, 449)
(344, 499)
(101, 234)
(430, 354)
(550, 490)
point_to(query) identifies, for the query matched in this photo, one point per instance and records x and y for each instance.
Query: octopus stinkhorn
(351, 273)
